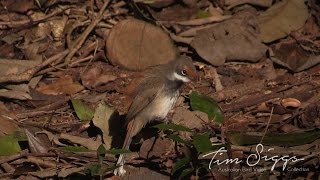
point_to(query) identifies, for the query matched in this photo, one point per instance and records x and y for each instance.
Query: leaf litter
(68, 70)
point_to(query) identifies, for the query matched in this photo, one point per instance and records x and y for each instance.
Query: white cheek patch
(181, 78)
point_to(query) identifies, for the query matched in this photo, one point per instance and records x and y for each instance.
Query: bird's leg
(126, 144)
(133, 127)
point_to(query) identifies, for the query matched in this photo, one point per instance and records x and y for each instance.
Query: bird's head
(183, 70)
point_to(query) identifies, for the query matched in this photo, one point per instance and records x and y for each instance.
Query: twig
(180, 39)
(76, 25)
(78, 43)
(217, 81)
(265, 131)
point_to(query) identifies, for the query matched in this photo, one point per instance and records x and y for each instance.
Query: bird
(154, 96)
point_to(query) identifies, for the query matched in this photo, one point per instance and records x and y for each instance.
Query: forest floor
(67, 69)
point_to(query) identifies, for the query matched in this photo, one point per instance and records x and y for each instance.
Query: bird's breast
(163, 104)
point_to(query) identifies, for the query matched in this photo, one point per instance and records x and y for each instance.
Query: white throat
(177, 76)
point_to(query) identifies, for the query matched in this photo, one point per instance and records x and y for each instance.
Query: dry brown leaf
(155, 148)
(57, 27)
(35, 143)
(190, 119)
(39, 99)
(176, 13)
(135, 45)
(96, 76)
(7, 51)
(7, 124)
(20, 6)
(233, 39)
(292, 56)
(290, 103)
(289, 128)
(64, 85)
(282, 18)
(12, 66)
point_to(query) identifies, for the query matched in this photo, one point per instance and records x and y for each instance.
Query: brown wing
(146, 92)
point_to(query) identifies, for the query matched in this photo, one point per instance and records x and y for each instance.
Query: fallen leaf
(190, 119)
(21, 6)
(64, 85)
(9, 145)
(155, 148)
(14, 94)
(281, 19)
(176, 13)
(41, 100)
(7, 124)
(148, 45)
(96, 76)
(35, 144)
(86, 142)
(57, 27)
(290, 103)
(105, 118)
(9, 67)
(293, 57)
(83, 111)
(234, 39)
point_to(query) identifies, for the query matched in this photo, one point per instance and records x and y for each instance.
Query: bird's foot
(120, 171)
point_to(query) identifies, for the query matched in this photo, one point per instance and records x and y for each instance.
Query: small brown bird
(154, 97)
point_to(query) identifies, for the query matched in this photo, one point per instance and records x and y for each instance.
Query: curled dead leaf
(290, 102)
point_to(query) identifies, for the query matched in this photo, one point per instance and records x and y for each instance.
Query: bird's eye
(184, 72)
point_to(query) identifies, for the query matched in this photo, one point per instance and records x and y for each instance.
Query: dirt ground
(69, 69)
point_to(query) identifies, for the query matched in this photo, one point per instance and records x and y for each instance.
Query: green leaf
(9, 145)
(74, 149)
(292, 139)
(202, 142)
(118, 151)
(171, 126)
(83, 111)
(180, 164)
(101, 152)
(185, 172)
(94, 169)
(177, 138)
(208, 105)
